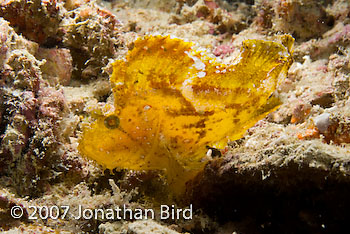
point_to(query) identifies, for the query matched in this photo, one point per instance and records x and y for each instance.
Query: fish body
(172, 102)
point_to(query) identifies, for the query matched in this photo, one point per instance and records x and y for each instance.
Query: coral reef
(31, 111)
(288, 173)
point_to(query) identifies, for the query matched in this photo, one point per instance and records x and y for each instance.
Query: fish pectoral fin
(178, 176)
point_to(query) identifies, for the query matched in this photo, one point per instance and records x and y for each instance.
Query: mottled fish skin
(172, 101)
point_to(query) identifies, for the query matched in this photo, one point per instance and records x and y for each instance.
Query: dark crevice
(295, 199)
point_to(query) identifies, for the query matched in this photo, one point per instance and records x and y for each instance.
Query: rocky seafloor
(289, 174)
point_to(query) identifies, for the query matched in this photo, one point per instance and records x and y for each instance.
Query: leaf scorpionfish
(172, 102)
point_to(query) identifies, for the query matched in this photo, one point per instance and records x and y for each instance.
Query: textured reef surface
(119, 104)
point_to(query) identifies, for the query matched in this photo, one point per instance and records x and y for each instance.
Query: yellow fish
(172, 102)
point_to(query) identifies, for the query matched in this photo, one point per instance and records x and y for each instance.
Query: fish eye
(112, 122)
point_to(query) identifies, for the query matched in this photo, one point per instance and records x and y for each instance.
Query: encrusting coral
(92, 34)
(41, 24)
(31, 111)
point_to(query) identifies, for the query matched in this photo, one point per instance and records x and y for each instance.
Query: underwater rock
(58, 66)
(223, 20)
(29, 148)
(10, 41)
(23, 71)
(88, 31)
(73, 4)
(148, 226)
(274, 183)
(335, 40)
(7, 202)
(30, 118)
(92, 35)
(332, 128)
(303, 19)
(37, 20)
(300, 111)
(340, 9)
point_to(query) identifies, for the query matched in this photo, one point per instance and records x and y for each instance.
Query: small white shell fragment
(322, 122)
